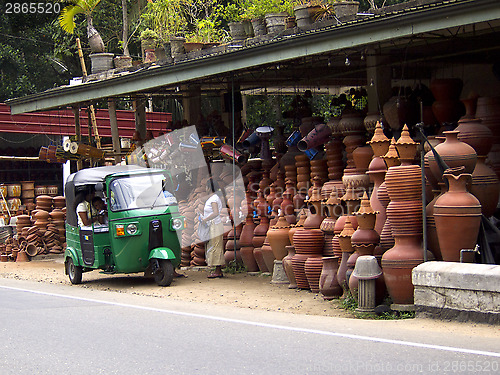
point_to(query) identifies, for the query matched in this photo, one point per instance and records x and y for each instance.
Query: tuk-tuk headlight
(132, 229)
(177, 223)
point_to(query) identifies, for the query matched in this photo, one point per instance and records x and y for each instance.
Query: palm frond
(67, 17)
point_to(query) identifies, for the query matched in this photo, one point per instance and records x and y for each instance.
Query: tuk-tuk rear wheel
(165, 272)
(74, 272)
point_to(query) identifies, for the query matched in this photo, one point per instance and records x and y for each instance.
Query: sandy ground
(240, 290)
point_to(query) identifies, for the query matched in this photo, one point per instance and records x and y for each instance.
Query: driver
(83, 210)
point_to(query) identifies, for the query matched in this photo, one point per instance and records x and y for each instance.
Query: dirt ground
(240, 289)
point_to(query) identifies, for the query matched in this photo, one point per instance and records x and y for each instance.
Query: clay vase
(328, 284)
(267, 255)
(447, 107)
(345, 245)
(278, 238)
(458, 217)
(312, 268)
(397, 265)
(399, 110)
(287, 265)
(476, 135)
(485, 187)
(454, 153)
(432, 237)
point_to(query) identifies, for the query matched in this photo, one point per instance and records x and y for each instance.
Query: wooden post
(92, 120)
(114, 129)
(78, 133)
(140, 117)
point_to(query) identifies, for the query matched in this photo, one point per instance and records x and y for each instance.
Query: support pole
(93, 120)
(78, 133)
(114, 130)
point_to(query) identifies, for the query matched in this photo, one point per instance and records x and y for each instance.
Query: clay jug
(457, 214)
(476, 135)
(485, 187)
(328, 284)
(278, 238)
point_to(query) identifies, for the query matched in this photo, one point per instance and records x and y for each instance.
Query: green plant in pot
(67, 22)
(309, 11)
(233, 14)
(101, 61)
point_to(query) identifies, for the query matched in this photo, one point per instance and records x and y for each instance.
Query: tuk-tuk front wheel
(74, 272)
(164, 273)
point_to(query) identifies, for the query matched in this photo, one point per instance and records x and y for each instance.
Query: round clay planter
(457, 214)
(351, 123)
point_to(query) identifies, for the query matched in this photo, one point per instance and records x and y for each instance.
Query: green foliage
(234, 267)
(68, 14)
(166, 17)
(206, 32)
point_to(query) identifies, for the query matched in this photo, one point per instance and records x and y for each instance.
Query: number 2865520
(32, 8)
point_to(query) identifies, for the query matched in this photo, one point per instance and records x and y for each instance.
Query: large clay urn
(328, 284)
(485, 187)
(457, 214)
(475, 134)
(278, 238)
(447, 107)
(454, 153)
(397, 265)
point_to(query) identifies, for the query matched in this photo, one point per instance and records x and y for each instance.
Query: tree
(87, 7)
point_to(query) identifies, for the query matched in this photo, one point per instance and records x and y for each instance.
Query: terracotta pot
(448, 111)
(446, 88)
(298, 266)
(257, 253)
(458, 217)
(312, 268)
(351, 123)
(287, 265)
(432, 237)
(328, 284)
(278, 238)
(485, 187)
(454, 153)
(397, 265)
(247, 232)
(399, 111)
(476, 135)
(267, 255)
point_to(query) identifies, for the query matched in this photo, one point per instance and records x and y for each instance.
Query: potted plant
(307, 12)
(206, 34)
(277, 12)
(149, 39)
(233, 14)
(167, 19)
(255, 12)
(344, 8)
(101, 61)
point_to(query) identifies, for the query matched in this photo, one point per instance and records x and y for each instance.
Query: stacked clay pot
(232, 248)
(44, 202)
(303, 166)
(308, 244)
(344, 239)
(377, 170)
(405, 214)
(246, 246)
(365, 238)
(260, 231)
(335, 165)
(458, 216)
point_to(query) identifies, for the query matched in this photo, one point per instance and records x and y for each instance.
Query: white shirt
(82, 207)
(207, 210)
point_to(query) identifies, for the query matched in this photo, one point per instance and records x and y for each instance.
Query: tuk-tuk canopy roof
(92, 176)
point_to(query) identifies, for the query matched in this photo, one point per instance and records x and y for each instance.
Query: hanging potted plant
(101, 61)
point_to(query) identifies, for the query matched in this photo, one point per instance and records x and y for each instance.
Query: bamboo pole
(93, 120)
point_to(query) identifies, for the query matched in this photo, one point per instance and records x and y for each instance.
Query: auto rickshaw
(143, 229)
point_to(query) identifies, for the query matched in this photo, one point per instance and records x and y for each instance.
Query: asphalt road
(56, 329)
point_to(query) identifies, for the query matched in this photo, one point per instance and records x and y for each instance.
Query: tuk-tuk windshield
(142, 191)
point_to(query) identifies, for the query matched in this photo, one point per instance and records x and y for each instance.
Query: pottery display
(457, 214)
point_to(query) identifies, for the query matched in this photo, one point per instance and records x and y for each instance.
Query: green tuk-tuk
(143, 227)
